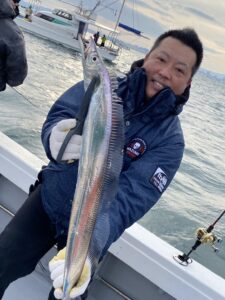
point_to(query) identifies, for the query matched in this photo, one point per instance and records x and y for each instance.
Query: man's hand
(57, 137)
(56, 267)
(13, 63)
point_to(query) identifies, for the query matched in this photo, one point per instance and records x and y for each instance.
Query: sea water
(196, 196)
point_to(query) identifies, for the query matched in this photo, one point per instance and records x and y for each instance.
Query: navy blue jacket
(153, 151)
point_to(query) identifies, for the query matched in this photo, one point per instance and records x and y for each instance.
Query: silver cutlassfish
(99, 165)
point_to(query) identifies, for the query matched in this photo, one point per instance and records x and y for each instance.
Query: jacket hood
(6, 9)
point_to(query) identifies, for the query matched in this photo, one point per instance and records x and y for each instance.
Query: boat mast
(80, 8)
(119, 15)
(114, 34)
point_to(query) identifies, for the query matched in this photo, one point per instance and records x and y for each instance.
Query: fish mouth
(88, 49)
(82, 45)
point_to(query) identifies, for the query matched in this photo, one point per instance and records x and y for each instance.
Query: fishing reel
(204, 236)
(208, 238)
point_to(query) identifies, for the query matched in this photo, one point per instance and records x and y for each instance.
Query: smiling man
(170, 64)
(153, 94)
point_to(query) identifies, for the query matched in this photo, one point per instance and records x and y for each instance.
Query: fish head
(91, 60)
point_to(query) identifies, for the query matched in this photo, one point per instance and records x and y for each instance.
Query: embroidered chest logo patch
(159, 179)
(135, 148)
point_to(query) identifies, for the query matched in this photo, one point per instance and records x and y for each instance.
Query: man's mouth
(158, 85)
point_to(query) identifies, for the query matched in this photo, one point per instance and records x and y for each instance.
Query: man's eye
(181, 71)
(161, 59)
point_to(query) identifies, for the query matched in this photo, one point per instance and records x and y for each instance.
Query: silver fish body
(99, 165)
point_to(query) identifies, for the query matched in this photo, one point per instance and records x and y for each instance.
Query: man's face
(169, 65)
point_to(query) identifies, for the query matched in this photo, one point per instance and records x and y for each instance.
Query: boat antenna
(204, 236)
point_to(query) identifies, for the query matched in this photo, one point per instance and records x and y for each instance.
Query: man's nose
(166, 71)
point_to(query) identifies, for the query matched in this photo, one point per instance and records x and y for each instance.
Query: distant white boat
(139, 266)
(62, 27)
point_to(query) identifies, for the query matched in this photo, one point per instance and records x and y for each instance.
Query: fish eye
(94, 58)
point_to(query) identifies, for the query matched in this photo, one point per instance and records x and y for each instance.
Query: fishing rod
(204, 236)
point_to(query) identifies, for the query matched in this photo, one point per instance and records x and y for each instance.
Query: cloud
(141, 3)
(200, 14)
(142, 19)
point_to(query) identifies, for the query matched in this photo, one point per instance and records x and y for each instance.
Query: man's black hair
(188, 37)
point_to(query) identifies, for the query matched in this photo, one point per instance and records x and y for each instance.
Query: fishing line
(24, 97)
(41, 111)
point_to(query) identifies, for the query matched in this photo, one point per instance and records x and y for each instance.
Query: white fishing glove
(57, 137)
(56, 267)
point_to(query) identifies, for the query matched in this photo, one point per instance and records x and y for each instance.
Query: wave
(212, 74)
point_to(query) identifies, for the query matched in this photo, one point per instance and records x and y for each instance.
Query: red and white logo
(135, 148)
